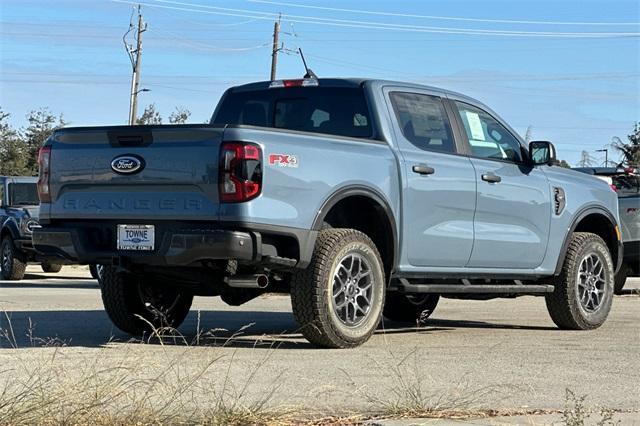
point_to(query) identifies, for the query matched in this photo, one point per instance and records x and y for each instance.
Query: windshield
(23, 194)
(331, 110)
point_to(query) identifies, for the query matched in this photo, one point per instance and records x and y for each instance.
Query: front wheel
(583, 292)
(410, 308)
(13, 263)
(135, 305)
(338, 298)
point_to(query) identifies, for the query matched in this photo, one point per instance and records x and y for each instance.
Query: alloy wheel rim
(591, 282)
(158, 301)
(352, 290)
(6, 257)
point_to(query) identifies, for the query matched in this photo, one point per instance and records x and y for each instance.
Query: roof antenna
(309, 72)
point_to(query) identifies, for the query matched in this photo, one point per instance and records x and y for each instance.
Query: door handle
(491, 178)
(423, 170)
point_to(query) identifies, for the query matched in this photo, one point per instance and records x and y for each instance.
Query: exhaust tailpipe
(249, 281)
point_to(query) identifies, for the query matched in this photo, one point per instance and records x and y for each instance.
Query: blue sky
(577, 91)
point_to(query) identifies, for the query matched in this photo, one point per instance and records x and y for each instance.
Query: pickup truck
(626, 183)
(18, 217)
(360, 198)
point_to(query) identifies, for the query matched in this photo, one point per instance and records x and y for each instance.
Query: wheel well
(600, 225)
(368, 216)
(5, 231)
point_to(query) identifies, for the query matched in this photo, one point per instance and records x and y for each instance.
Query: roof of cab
(355, 82)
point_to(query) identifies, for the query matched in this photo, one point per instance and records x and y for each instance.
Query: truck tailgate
(177, 180)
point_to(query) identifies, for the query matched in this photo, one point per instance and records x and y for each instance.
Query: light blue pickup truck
(360, 198)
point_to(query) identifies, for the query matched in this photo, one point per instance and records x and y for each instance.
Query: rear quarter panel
(293, 195)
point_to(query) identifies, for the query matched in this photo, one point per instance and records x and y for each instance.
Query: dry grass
(189, 384)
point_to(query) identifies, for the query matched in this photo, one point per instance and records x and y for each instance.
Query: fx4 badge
(283, 160)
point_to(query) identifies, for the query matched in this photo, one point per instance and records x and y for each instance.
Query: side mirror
(542, 152)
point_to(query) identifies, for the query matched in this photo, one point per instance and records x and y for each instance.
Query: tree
(585, 160)
(42, 123)
(528, 136)
(12, 149)
(179, 116)
(150, 116)
(630, 150)
(563, 163)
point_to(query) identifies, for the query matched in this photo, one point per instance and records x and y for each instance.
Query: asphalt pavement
(497, 354)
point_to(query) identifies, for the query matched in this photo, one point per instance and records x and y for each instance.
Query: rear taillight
(44, 163)
(613, 187)
(240, 172)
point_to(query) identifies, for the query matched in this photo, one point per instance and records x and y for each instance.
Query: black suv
(18, 217)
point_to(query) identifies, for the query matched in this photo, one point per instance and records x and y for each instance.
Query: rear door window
(331, 110)
(423, 121)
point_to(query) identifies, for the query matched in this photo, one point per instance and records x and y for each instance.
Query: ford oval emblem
(127, 164)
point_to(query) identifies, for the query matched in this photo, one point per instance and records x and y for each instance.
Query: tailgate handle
(130, 137)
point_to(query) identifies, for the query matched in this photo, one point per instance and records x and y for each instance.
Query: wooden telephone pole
(136, 56)
(275, 49)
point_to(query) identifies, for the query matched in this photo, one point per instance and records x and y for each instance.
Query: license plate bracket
(136, 237)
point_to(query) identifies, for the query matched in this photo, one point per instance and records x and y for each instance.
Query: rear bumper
(176, 245)
(175, 249)
(26, 247)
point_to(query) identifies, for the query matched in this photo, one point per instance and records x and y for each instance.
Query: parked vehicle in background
(18, 218)
(626, 182)
(361, 198)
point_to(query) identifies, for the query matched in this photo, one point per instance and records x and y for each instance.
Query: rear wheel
(410, 308)
(584, 290)
(12, 263)
(135, 305)
(51, 267)
(338, 298)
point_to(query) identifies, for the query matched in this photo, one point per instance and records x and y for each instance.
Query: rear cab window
(340, 111)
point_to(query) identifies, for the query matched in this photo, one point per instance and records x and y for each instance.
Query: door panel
(439, 186)
(512, 216)
(438, 209)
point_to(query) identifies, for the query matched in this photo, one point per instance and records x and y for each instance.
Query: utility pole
(135, 55)
(606, 156)
(275, 49)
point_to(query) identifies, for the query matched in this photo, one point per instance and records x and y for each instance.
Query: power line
(215, 10)
(444, 18)
(204, 46)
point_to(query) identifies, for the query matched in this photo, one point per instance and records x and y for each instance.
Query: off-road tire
(621, 278)
(93, 270)
(563, 305)
(125, 302)
(12, 267)
(311, 290)
(414, 309)
(51, 267)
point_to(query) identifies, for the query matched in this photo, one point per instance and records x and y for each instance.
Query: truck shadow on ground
(259, 329)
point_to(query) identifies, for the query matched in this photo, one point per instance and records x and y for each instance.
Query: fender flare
(582, 213)
(363, 191)
(11, 227)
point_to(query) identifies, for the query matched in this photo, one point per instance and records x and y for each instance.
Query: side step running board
(404, 286)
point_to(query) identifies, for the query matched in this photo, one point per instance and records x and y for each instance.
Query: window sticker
(475, 125)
